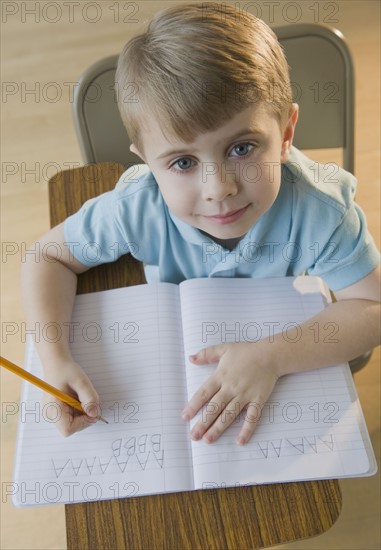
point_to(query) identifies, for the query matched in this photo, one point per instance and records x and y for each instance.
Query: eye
(182, 165)
(241, 149)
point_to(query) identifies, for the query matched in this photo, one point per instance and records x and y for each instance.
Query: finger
(208, 355)
(211, 411)
(67, 419)
(80, 422)
(88, 397)
(92, 410)
(252, 417)
(224, 420)
(202, 396)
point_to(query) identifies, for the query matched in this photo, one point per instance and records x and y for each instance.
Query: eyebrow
(252, 131)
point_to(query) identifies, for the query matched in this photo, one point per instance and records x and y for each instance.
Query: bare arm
(48, 282)
(341, 332)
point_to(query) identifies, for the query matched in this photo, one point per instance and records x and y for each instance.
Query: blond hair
(196, 66)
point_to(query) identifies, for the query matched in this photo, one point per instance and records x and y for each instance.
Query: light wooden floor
(46, 51)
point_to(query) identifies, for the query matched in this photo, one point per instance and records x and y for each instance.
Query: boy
(224, 193)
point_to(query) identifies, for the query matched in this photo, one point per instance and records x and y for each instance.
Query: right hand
(68, 377)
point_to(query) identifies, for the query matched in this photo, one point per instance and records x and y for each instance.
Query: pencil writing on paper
(62, 396)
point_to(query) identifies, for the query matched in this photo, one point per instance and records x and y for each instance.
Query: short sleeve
(94, 234)
(130, 219)
(350, 253)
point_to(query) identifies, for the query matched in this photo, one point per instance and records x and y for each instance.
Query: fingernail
(195, 436)
(193, 357)
(241, 440)
(92, 411)
(185, 416)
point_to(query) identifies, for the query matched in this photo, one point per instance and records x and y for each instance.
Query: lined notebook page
(129, 342)
(309, 429)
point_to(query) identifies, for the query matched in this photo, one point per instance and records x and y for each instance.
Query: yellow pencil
(62, 396)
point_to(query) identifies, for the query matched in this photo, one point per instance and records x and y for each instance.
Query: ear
(136, 151)
(288, 132)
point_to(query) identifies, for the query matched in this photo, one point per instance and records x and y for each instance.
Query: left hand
(244, 378)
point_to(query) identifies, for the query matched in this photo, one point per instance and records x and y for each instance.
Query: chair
(324, 91)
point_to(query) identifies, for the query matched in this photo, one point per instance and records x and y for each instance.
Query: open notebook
(134, 343)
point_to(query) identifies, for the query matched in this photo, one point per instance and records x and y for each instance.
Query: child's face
(225, 180)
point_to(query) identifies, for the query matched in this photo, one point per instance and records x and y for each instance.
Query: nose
(218, 184)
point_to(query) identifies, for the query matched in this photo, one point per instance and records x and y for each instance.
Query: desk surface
(245, 517)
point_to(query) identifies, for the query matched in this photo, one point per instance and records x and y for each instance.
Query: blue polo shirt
(313, 227)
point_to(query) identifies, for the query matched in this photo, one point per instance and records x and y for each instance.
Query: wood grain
(230, 518)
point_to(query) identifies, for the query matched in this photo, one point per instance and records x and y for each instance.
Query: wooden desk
(233, 518)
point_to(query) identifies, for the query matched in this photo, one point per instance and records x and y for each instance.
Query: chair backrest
(322, 77)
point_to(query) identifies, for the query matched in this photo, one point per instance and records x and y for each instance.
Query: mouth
(229, 217)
